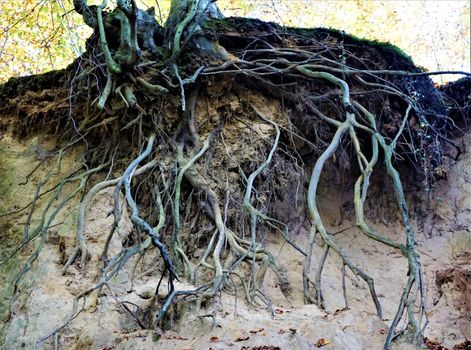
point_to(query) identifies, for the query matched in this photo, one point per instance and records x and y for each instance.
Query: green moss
(395, 56)
(387, 47)
(226, 24)
(239, 24)
(384, 47)
(214, 24)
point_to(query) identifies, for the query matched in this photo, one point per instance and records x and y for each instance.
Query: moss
(383, 47)
(386, 47)
(215, 24)
(240, 24)
(395, 56)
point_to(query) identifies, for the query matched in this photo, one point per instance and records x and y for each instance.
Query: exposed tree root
(332, 104)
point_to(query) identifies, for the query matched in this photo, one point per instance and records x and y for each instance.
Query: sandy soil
(443, 219)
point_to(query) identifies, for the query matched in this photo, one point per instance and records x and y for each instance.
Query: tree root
(286, 73)
(81, 246)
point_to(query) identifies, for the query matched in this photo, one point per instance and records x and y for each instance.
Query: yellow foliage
(41, 35)
(36, 36)
(435, 33)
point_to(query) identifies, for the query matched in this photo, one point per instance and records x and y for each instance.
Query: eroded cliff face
(217, 150)
(109, 320)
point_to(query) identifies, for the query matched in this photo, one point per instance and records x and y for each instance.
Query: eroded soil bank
(443, 217)
(230, 135)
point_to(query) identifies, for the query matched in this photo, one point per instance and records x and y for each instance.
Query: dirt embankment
(276, 82)
(444, 243)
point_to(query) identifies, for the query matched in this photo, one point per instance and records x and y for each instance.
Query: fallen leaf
(322, 342)
(214, 339)
(463, 346)
(435, 345)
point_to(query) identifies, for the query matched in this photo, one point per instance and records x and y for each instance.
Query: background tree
(44, 35)
(135, 97)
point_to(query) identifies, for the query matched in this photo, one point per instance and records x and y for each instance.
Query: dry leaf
(214, 339)
(322, 342)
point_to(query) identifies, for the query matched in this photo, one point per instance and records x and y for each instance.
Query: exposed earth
(248, 112)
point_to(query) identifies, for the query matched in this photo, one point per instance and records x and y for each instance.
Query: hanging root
(192, 198)
(81, 245)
